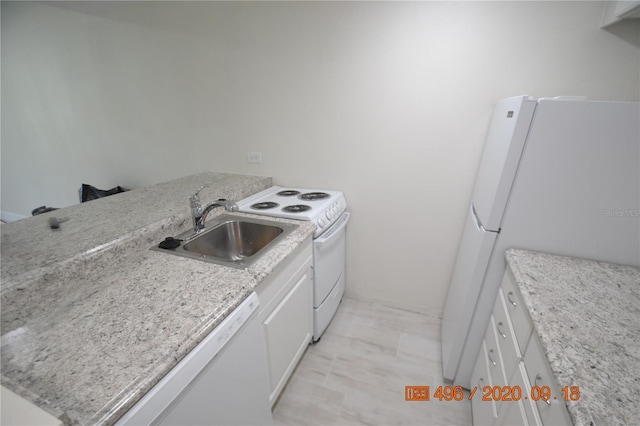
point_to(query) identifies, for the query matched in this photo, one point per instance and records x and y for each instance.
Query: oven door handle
(334, 230)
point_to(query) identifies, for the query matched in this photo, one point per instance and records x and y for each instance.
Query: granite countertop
(587, 316)
(92, 319)
(30, 248)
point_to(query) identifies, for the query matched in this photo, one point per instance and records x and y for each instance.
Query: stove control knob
(321, 223)
(328, 215)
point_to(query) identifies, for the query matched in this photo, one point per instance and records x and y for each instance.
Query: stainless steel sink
(231, 240)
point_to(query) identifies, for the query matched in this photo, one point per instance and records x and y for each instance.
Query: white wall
(388, 102)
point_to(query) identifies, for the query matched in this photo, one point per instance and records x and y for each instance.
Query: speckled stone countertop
(30, 248)
(92, 319)
(587, 316)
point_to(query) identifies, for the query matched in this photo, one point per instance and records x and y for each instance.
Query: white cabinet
(494, 358)
(18, 411)
(552, 411)
(509, 350)
(222, 381)
(523, 411)
(511, 357)
(484, 412)
(286, 315)
(238, 382)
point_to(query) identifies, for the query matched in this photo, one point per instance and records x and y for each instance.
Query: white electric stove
(327, 210)
(320, 207)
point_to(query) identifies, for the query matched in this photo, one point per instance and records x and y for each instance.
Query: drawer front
(494, 358)
(523, 411)
(553, 411)
(288, 331)
(505, 335)
(518, 314)
(494, 361)
(484, 412)
(512, 414)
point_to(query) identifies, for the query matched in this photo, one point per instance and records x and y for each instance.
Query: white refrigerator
(559, 175)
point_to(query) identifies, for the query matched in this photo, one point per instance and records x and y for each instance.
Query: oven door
(329, 251)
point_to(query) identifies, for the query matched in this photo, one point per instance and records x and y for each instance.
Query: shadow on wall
(627, 30)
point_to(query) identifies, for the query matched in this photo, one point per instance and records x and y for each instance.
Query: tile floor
(357, 372)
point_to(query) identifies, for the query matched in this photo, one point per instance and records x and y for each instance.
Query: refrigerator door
(473, 256)
(503, 148)
(578, 187)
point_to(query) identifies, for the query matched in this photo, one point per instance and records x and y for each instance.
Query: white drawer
(554, 411)
(513, 412)
(494, 358)
(484, 412)
(518, 314)
(505, 335)
(523, 411)
(494, 361)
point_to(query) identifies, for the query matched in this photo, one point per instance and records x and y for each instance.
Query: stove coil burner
(296, 208)
(311, 196)
(264, 205)
(288, 193)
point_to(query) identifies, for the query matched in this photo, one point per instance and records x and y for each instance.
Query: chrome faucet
(199, 214)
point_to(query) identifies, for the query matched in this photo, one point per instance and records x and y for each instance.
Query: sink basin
(234, 240)
(231, 240)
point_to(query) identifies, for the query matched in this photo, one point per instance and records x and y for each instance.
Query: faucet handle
(229, 205)
(197, 193)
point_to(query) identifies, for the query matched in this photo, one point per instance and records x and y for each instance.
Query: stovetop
(323, 207)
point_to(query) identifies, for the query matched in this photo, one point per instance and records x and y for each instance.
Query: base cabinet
(222, 381)
(240, 383)
(523, 411)
(287, 317)
(511, 357)
(484, 413)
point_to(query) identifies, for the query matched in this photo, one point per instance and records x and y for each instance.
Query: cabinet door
(521, 410)
(512, 414)
(288, 331)
(231, 390)
(494, 358)
(554, 410)
(518, 314)
(505, 335)
(484, 412)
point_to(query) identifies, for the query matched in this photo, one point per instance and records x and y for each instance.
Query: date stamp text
(490, 393)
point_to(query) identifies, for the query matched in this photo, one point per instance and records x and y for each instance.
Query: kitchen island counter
(587, 317)
(89, 328)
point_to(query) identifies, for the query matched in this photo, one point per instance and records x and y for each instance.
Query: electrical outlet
(254, 157)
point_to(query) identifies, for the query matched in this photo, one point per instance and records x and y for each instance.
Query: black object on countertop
(170, 243)
(88, 192)
(54, 222)
(42, 209)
